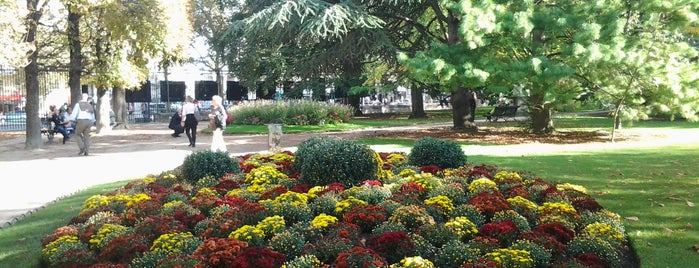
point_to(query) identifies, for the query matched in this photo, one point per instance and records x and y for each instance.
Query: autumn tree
(123, 37)
(211, 20)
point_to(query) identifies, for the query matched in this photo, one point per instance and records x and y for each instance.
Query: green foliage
(442, 153)
(288, 243)
(292, 112)
(324, 160)
(201, 164)
(453, 254)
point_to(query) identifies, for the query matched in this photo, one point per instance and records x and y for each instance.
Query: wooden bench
(503, 112)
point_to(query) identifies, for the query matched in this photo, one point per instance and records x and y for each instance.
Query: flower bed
(471, 216)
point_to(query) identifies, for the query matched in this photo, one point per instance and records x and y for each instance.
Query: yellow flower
(347, 204)
(442, 202)
(505, 175)
(323, 220)
(462, 226)
(482, 185)
(568, 186)
(519, 201)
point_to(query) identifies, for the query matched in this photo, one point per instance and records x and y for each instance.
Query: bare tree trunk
(418, 106)
(119, 107)
(461, 110)
(102, 110)
(219, 82)
(540, 113)
(354, 101)
(31, 75)
(616, 119)
(75, 65)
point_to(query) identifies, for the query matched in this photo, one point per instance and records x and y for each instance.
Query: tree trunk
(31, 75)
(119, 107)
(75, 47)
(541, 119)
(102, 110)
(354, 101)
(461, 110)
(616, 119)
(219, 83)
(417, 107)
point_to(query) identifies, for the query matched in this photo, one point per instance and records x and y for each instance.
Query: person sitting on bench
(61, 124)
(497, 107)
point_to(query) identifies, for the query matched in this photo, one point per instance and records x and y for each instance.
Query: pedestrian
(84, 115)
(189, 120)
(472, 100)
(219, 116)
(175, 124)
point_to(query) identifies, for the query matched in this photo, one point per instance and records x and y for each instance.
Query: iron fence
(53, 90)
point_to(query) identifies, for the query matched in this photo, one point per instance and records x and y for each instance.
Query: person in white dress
(218, 112)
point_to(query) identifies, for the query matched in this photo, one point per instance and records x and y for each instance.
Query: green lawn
(20, 243)
(657, 186)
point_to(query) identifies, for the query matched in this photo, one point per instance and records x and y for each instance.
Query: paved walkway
(33, 179)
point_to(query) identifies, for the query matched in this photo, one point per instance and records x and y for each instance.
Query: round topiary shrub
(207, 163)
(430, 151)
(324, 160)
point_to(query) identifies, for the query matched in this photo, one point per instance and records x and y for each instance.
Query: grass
(20, 243)
(657, 186)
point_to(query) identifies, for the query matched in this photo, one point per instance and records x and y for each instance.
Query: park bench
(504, 112)
(48, 128)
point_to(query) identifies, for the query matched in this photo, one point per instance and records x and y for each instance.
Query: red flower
(300, 188)
(219, 252)
(393, 246)
(359, 257)
(258, 257)
(489, 203)
(557, 230)
(411, 188)
(366, 216)
(372, 183)
(274, 192)
(124, 248)
(224, 186)
(335, 187)
(582, 204)
(432, 169)
(591, 260)
(505, 231)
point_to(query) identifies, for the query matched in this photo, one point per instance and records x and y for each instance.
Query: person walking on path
(84, 116)
(189, 120)
(219, 115)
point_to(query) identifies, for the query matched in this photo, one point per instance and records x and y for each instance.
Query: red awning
(10, 97)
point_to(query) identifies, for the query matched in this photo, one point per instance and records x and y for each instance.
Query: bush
(205, 163)
(430, 151)
(324, 160)
(290, 112)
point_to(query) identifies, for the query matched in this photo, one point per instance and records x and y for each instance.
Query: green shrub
(430, 151)
(290, 112)
(205, 163)
(324, 160)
